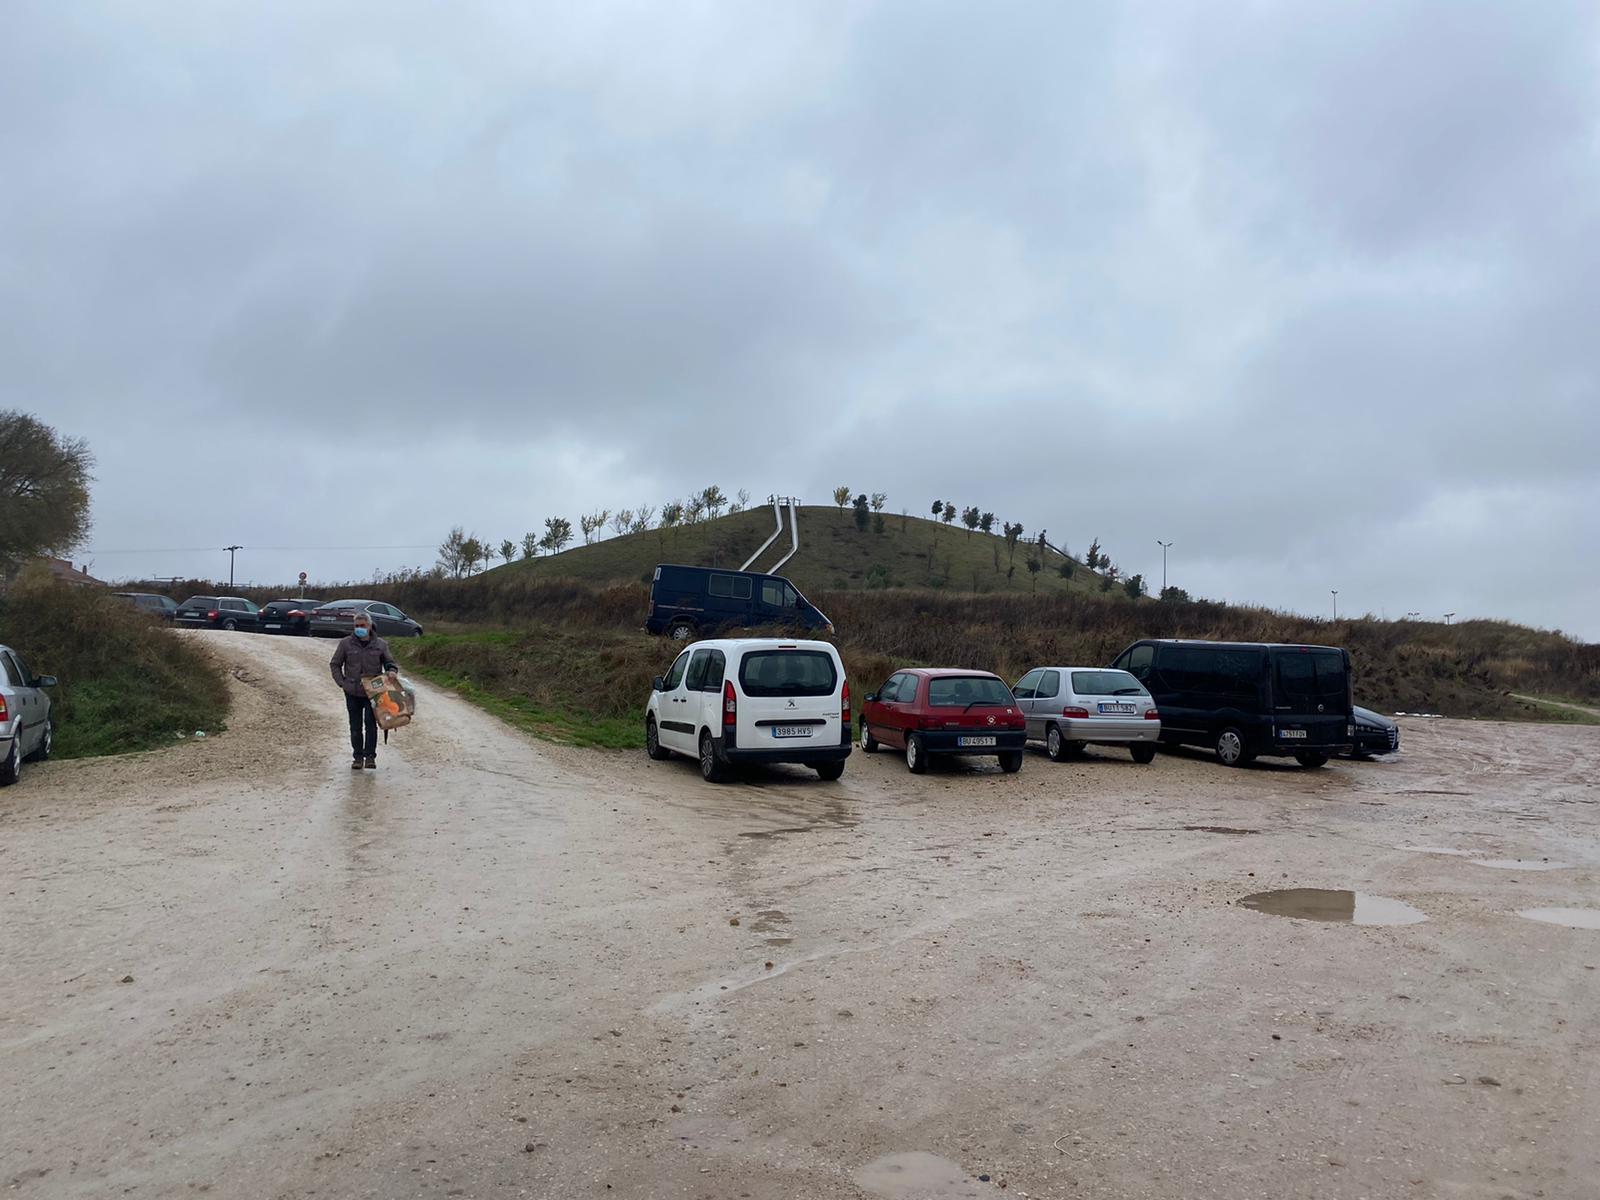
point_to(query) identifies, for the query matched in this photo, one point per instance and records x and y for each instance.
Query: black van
(1246, 699)
(688, 602)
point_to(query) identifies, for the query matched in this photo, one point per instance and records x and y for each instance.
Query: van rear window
(788, 673)
(1306, 678)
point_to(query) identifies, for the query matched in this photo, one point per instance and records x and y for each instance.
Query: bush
(126, 683)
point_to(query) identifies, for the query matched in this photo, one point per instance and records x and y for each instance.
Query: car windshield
(1106, 683)
(967, 691)
(788, 673)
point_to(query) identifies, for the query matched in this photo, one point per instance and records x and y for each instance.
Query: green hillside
(911, 552)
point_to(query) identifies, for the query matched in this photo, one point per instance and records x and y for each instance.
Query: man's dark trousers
(363, 726)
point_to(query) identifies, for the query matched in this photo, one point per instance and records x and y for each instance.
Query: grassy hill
(911, 552)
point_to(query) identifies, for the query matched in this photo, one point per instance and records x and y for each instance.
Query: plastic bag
(393, 701)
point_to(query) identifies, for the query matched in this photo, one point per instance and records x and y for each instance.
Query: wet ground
(496, 968)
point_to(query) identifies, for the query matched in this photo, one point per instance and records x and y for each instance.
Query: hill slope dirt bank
(495, 967)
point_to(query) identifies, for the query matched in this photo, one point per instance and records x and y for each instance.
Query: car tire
(1232, 749)
(916, 754)
(230, 625)
(829, 771)
(1056, 747)
(1143, 752)
(680, 631)
(711, 769)
(11, 769)
(42, 753)
(652, 741)
(1311, 759)
(869, 744)
(1011, 761)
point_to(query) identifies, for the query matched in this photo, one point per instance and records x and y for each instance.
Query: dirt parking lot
(497, 968)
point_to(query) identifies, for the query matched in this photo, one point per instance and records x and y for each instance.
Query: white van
(762, 700)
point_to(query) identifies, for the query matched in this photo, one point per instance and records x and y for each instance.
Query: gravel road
(498, 968)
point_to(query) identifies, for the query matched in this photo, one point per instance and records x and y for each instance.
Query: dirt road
(494, 968)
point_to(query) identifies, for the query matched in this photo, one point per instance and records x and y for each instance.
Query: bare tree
(741, 501)
(642, 517)
(713, 501)
(451, 557)
(878, 500)
(694, 510)
(622, 521)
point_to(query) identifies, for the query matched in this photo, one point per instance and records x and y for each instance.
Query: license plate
(1117, 707)
(974, 741)
(781, 731)
(270, 626)
(1291, 733)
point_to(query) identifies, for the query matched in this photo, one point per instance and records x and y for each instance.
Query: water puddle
(1521, 864)
(770, 920)
(1323, 904)
(917, 1176)
(1218, 829)
(1437, 850)
(1572, 918)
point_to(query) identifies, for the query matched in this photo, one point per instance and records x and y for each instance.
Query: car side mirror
(658, 683)
(45, 681)
(872, 698)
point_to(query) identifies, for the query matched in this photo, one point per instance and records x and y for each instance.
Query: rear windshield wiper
(1127, 691)
(975, 703)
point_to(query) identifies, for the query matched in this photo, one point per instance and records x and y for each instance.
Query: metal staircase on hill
(778, 503)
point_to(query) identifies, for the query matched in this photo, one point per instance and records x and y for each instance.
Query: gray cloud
(1311, 293)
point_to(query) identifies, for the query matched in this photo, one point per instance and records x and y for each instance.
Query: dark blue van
(691, 602)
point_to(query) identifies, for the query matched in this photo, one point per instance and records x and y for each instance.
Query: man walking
(360, 656)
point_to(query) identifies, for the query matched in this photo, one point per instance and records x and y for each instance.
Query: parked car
(752, 700)
(1245, 699)
(27, 729)
(288, 616)
(153, 603)
(1375, 734)
(337, 618)
(216, 612)
(1068, 708)
(925, 711)
(686, 602)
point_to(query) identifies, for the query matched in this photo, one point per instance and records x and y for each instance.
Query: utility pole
(1335, 592)
(1164, 547)
(231, 551)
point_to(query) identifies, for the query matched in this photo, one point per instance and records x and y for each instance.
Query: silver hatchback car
(26, 728)
(1068, 708)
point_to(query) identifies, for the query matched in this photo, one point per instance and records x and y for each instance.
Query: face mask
(363, 632)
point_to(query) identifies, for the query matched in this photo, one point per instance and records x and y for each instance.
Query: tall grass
(126, 683)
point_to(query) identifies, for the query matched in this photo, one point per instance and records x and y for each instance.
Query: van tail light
(1075, 712)
(1152, 714)
(844, 704)
(730, 704)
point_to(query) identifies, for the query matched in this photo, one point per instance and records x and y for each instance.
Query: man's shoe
(355, 764)
(371, 764)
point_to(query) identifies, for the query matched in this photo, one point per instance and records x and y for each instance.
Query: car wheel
(652, 741)
(1311, 759)
(869, 744)
(681, 631)
(41, 753)
(710, 769)
(916, 754)
(1143, 752)
(1231, 749)
(829, 771)
(230, 624)
(1055, 746)
(416, 631)
(1011, 761)
(11, 769)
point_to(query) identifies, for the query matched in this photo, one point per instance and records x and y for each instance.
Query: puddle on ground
(1521, 864)
(769, 921)
(1437, 850)
(1323, 904)
(1572, 918)
(1217, 829)
(917, 1175)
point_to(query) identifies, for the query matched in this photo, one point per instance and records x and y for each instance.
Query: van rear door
(1310, 697)
(789, 698)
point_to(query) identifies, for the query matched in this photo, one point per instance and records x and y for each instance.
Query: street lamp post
(231, 551)
(1335, 592)
(1447, 617)
(1164, 547)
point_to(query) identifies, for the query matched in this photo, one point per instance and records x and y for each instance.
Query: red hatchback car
(926, 711)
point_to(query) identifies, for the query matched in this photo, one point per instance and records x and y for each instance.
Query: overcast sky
(1311, 290)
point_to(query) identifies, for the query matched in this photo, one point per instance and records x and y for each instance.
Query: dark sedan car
(288, 616)
(1375, 734)
(337, 618)
(216, 612)
(153, 603)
